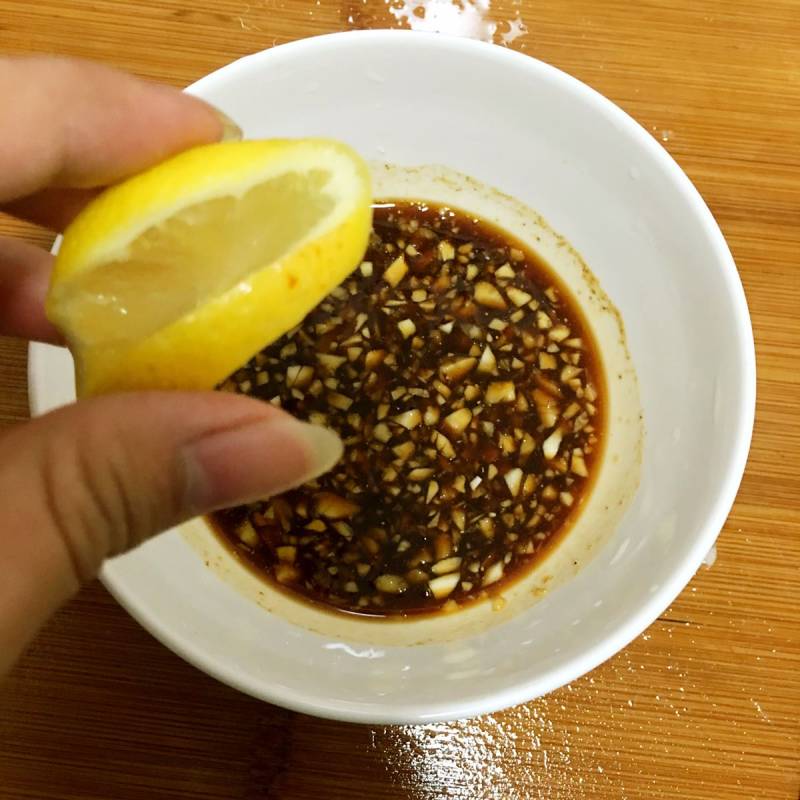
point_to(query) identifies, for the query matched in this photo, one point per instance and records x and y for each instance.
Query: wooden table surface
(705, 704)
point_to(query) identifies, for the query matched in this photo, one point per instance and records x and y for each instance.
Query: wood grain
(706, 703)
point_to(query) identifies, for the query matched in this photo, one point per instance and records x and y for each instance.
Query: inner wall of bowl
(534, 133)
(619, 465)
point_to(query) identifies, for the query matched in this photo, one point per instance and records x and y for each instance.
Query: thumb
(95, 479)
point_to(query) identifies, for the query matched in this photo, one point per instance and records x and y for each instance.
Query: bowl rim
(373, 711)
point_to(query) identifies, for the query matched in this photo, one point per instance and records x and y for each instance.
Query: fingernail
(323, 447)
(257, 460)
(231, 132)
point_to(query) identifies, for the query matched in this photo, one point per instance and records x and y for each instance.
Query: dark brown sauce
(451, 375)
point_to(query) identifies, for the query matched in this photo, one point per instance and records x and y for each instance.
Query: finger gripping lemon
(176, 277)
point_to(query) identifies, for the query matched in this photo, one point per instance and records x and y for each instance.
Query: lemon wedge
(177, 276)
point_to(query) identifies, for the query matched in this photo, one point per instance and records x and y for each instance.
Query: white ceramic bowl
(601, 181)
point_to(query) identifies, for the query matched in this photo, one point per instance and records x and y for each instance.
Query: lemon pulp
(177, 276)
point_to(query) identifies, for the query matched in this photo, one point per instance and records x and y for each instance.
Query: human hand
(96, 478)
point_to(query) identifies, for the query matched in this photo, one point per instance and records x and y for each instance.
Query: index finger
(70, 123)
